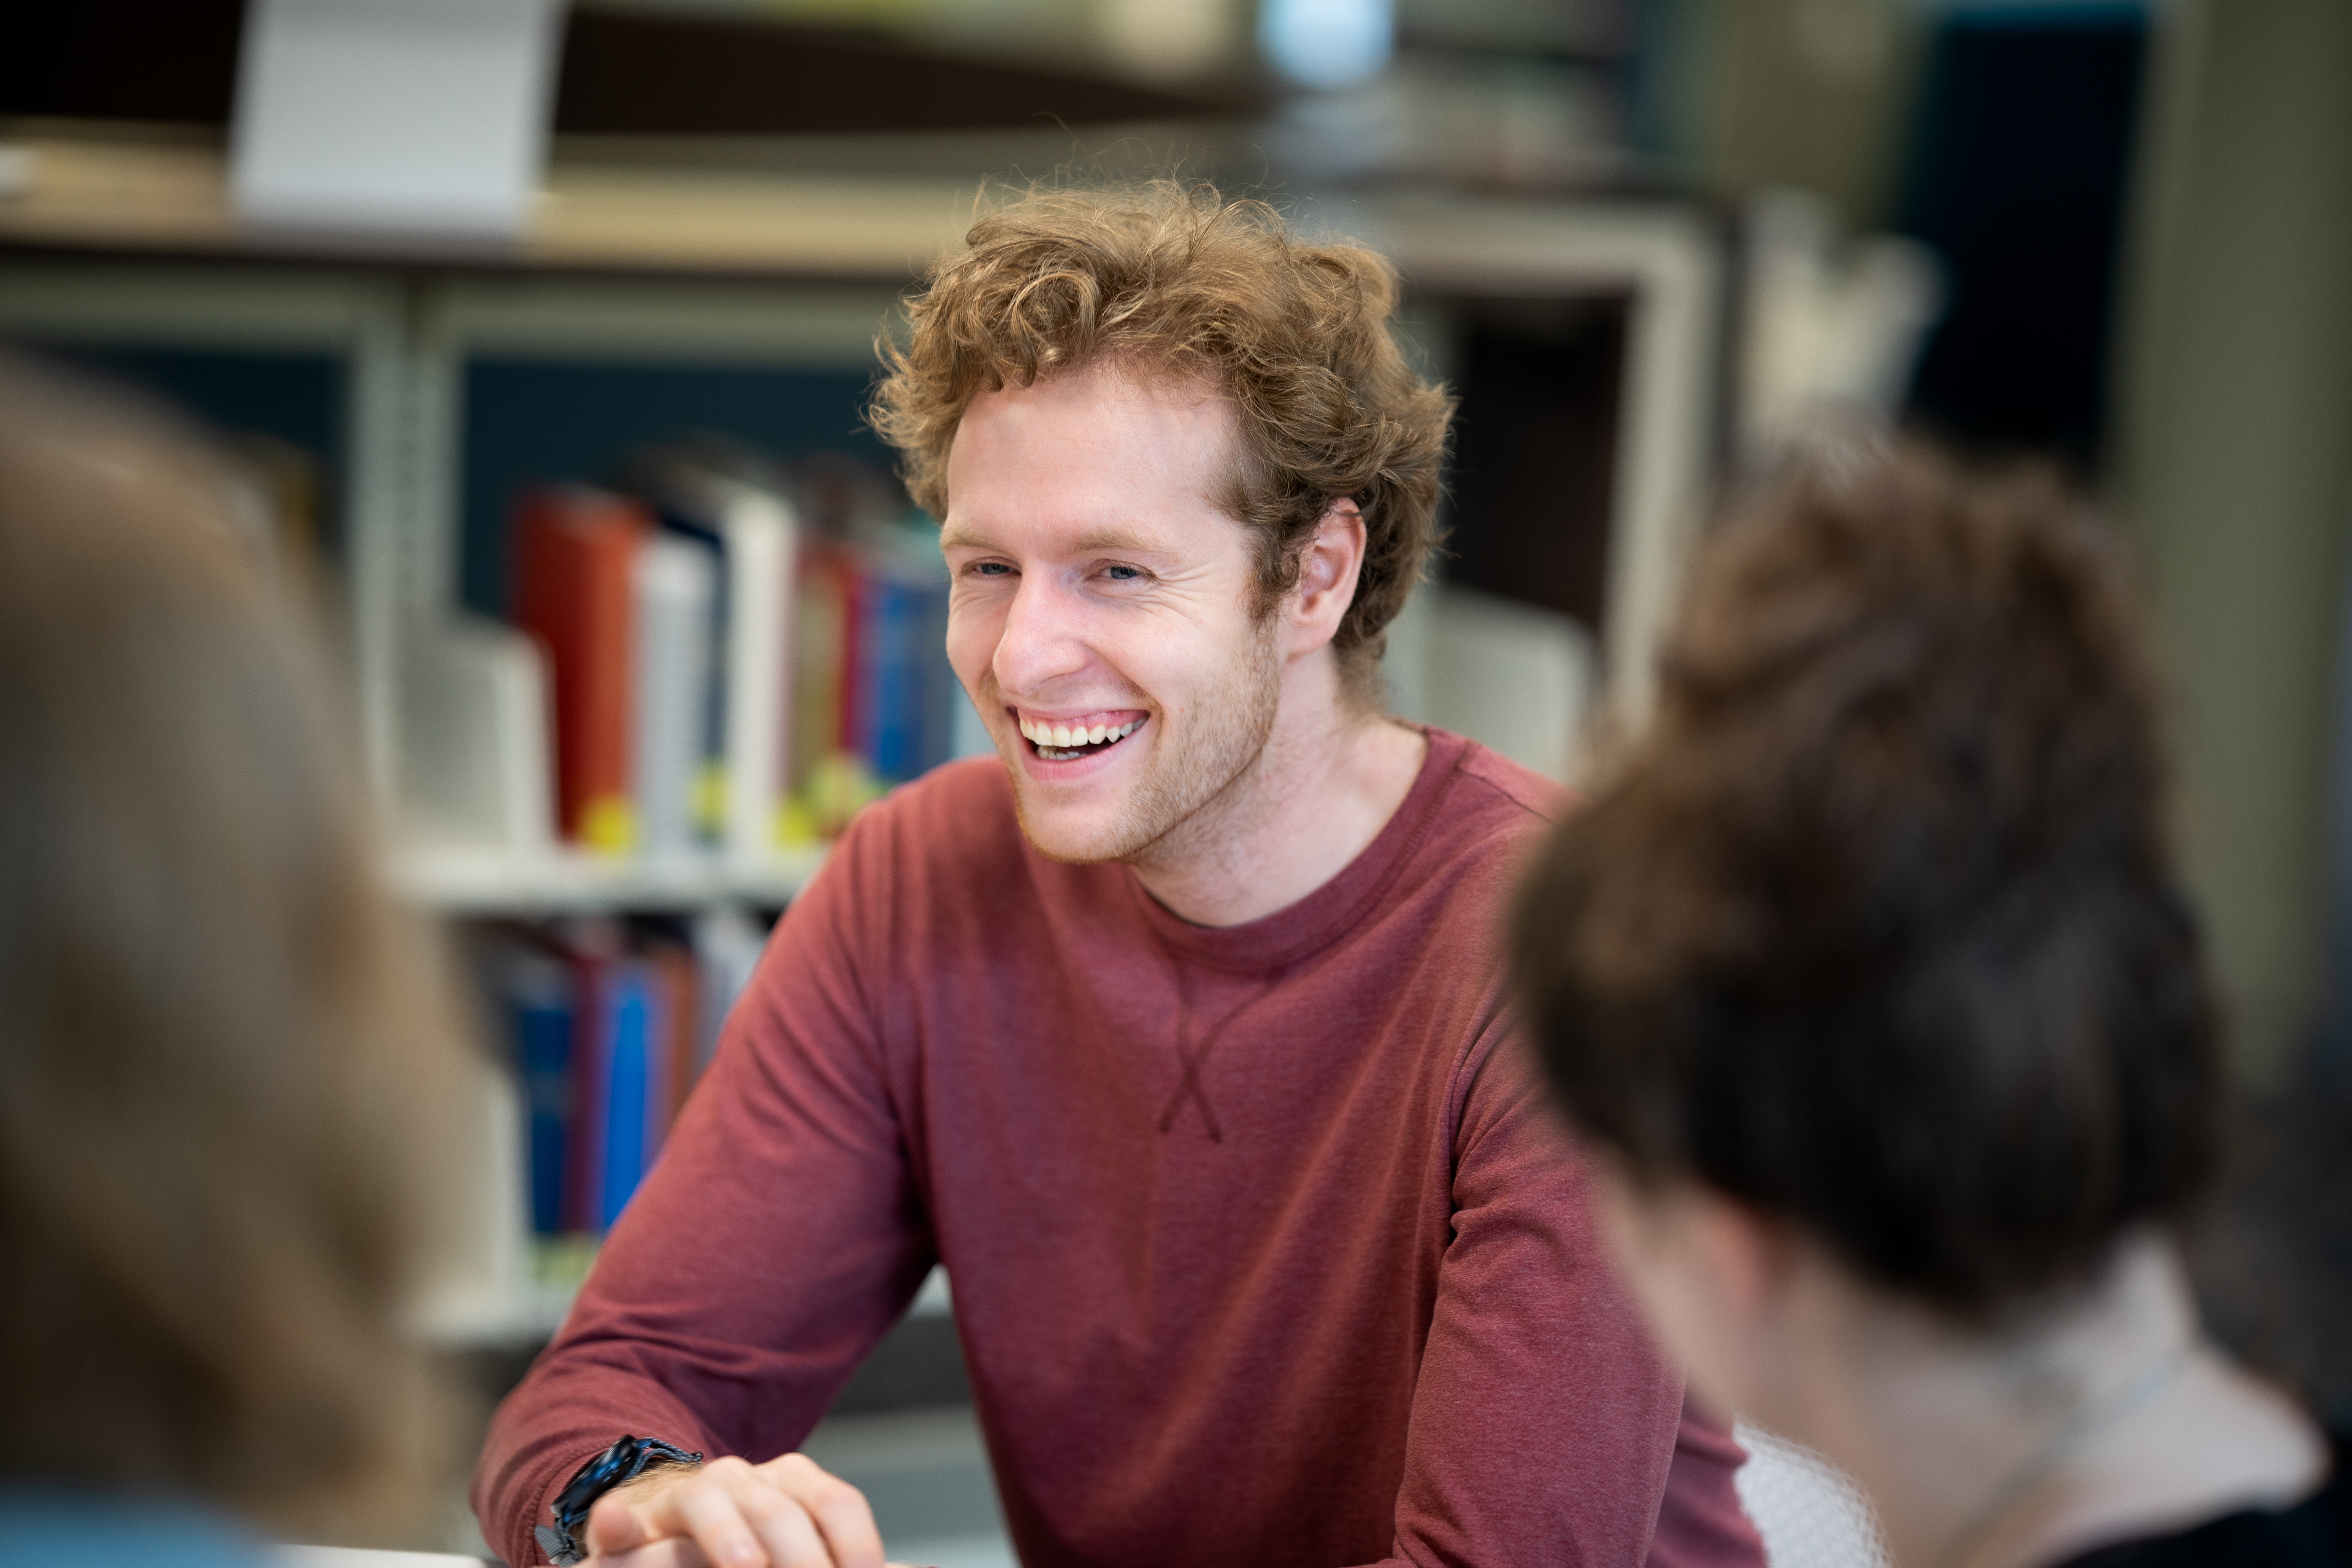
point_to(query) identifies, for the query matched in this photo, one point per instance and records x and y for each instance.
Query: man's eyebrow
(1118, 542)
(1112, 541)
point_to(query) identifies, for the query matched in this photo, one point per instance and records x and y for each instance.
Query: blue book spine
(907, 685)
(636, 1071)
(892, 684)
(543, 1026)
(943, 693)
(591, 1087)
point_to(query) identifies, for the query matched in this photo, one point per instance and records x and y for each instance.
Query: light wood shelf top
(163, 195)
(599, 212)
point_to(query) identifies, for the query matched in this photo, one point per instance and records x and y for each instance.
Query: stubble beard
(1195, 775)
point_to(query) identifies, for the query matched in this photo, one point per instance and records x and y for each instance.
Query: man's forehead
(1107, 452)
(1103, 393)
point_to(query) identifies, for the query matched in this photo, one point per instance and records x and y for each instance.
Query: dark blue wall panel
(531, 422)
(294, 397)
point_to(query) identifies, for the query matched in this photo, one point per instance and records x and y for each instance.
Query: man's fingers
(840, 1510)
(788, 1534)
(730, 1513)
(635, 1514)
(787, 1513)
(615, 1527)
(721, 1516)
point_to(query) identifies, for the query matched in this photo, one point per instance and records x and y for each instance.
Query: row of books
(713, 654)
(608, 1027)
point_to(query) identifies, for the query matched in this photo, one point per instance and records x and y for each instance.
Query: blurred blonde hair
(1171, 275)
(223, 1055)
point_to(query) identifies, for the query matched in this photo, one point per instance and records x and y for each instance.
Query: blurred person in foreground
(1870, 978)
(1173, 1029)
(220, 1067)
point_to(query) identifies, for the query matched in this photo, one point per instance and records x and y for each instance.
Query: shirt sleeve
(1701, 1522)
(774, 1241)
(1544, 1419)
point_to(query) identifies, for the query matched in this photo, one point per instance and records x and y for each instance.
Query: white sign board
(425, 116)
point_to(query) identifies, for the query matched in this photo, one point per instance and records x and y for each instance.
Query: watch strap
(624, 1461)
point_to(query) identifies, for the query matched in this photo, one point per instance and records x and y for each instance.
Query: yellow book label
(608, 824)
(796, 826)
(710, 798)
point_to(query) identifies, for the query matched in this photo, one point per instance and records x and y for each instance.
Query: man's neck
(1331, 775)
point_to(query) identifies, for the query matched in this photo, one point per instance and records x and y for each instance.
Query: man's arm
(1544, 1419)
(1702, 1523)
(778, 1236)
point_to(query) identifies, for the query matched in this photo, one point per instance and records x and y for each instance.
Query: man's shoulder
(1483, 816)
(959, 813)
(937, 847)
(1492, 798)
(956, 826)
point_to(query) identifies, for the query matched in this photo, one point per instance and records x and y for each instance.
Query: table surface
(355, 1557)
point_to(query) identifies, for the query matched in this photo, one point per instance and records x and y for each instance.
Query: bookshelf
(467, 881)
(127, 243)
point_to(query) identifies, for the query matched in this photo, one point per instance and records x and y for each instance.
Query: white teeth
(1064, 737)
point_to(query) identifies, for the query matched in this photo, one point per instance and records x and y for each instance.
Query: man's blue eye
(990, 568)
(1122, 573)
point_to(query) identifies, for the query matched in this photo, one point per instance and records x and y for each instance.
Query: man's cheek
(972, 636)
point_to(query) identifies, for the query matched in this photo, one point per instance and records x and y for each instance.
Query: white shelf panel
(473, 881)
(529, 1313)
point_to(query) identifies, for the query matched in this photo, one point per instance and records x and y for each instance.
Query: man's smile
(1064, 738)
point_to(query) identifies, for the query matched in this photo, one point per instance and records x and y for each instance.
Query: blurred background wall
(2143, 213)
(2236, 468)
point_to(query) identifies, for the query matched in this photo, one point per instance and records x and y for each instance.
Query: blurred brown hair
(220, 1046)
(1876, 928)
(1184, 282)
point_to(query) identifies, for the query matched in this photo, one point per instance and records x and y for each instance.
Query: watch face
(595, 1479)
(621, 1462)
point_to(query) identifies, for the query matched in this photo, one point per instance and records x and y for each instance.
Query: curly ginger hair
(1175, 278)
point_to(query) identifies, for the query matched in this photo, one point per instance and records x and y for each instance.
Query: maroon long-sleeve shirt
(1265, 1248)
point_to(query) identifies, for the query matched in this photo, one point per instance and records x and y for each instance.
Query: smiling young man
(1176, 1033)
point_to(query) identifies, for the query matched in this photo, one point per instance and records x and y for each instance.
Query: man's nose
(1042, 639)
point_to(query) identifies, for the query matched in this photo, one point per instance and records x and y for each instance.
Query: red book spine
(851, 739)
(573, 549)
(681, 987)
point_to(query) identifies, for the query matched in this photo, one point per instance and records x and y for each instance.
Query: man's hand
(786, 1513)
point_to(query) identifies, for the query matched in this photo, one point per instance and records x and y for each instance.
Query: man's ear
(1328, 567)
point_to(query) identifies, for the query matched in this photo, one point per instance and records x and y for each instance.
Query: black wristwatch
(624, 1461)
